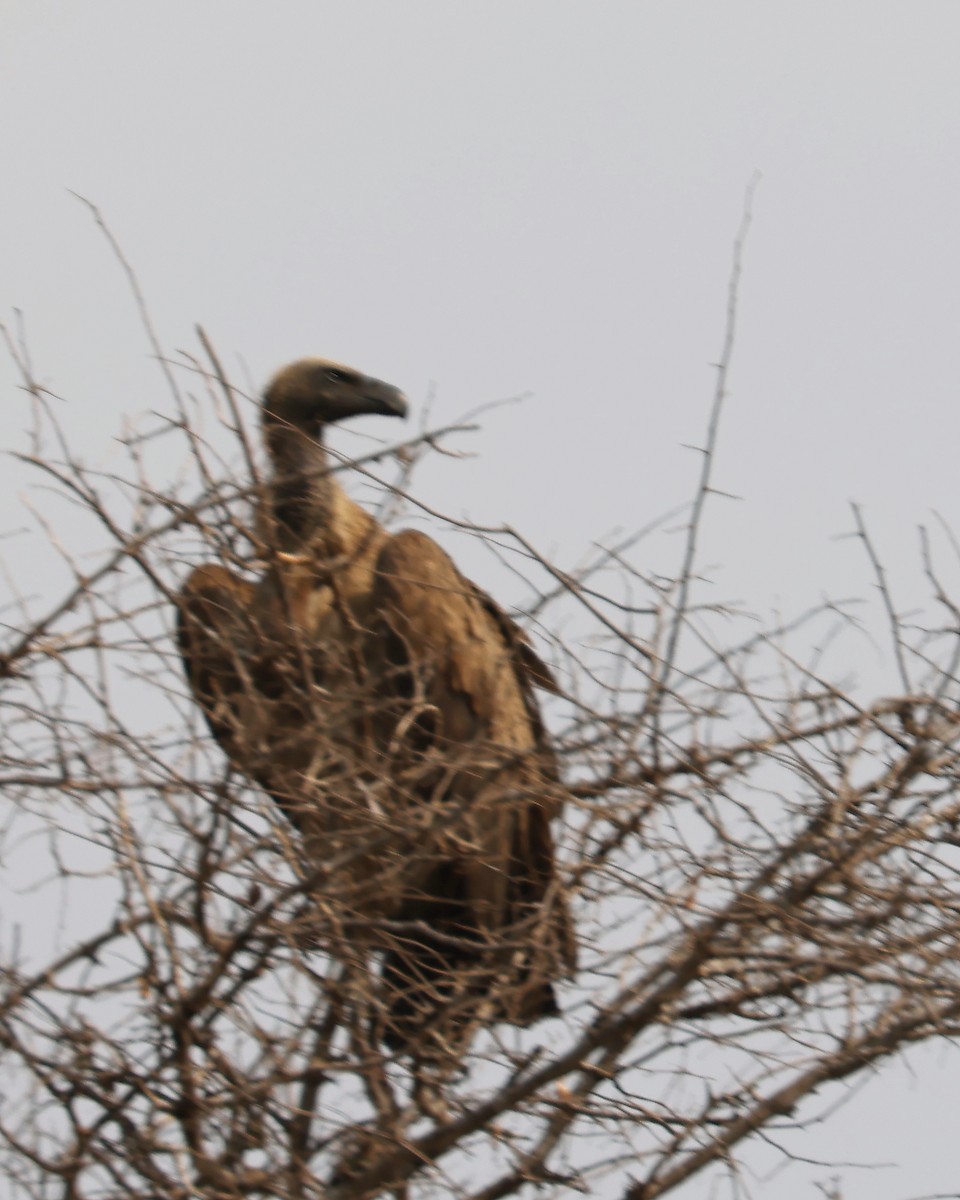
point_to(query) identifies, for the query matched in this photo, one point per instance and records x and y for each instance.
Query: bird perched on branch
(386, 704)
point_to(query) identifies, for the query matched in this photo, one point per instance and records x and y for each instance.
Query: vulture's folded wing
(446, 646)
(212, 633)
(479, 663)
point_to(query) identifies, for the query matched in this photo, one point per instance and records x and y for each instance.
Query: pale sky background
(538, 196)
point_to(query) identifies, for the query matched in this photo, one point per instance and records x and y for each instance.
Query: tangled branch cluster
(763, 873)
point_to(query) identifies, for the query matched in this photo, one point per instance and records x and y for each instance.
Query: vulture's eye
(336, 376)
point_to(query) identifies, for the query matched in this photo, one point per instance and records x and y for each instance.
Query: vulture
(386, 705)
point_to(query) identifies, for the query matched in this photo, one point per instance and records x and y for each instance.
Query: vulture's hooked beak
(384, 399)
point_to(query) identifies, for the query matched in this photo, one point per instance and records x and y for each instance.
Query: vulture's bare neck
(302, 491)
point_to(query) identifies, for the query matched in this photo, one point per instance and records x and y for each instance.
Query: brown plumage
(387, 706)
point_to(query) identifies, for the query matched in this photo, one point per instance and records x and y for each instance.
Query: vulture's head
(313, 392)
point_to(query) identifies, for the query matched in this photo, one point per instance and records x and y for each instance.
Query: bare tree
(763, 871)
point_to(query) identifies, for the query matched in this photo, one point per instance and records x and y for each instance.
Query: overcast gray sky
(537, 196)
